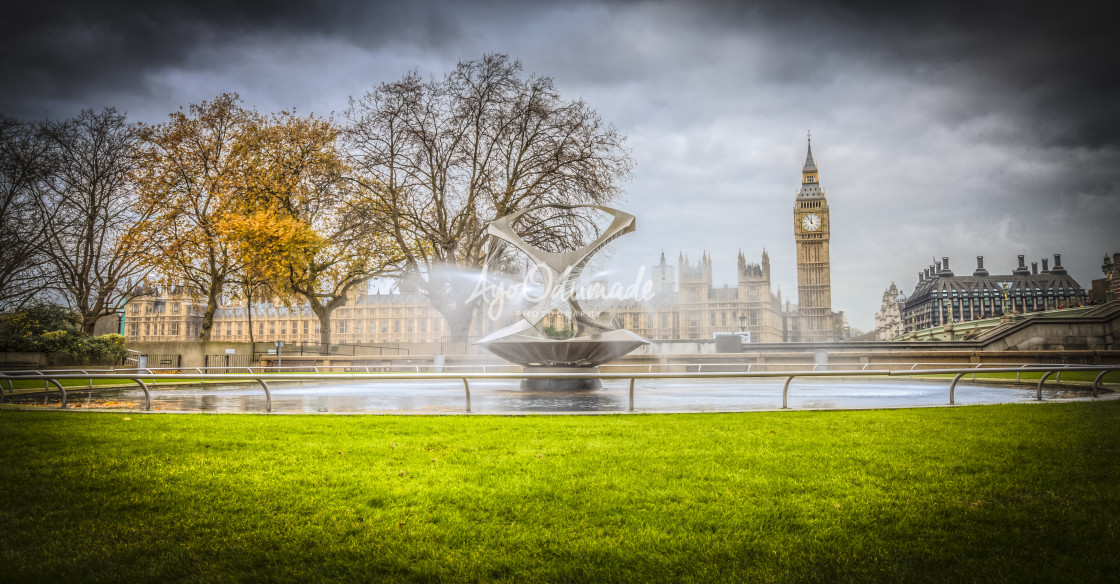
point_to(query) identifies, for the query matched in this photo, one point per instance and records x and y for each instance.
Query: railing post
(1019, 374)
(974, 375)
(785, 392)
(1097, 381)
(631, 394)
(1040, 382)
(467, 389)
(953, 388)
(147, 394)
(267, 395)
(61, 390)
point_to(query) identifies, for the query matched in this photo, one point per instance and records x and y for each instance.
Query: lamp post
(742, 322)
(279, 355)
(1107, 268)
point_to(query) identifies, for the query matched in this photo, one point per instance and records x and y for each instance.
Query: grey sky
(940, 129)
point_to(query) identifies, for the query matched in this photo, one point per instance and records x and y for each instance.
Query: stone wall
(193, 353)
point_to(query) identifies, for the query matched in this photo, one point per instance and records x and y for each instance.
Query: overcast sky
(940, 129)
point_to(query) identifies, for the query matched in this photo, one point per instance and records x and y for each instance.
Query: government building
(685, 304)
(942, 297)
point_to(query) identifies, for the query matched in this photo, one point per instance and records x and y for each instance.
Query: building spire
(810, 166)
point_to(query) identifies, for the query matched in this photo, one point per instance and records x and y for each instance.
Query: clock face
(811, 222)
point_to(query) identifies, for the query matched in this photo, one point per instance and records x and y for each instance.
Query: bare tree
(445, 157)
(91, 210)
(23, 169)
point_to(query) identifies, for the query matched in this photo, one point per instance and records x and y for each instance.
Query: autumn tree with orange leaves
(189, 172)
(298, 223)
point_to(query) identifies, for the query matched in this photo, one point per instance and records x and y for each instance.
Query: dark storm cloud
(57, 52)
(1051, 65)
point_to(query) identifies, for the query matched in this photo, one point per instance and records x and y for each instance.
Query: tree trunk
(458, 323)
(208, 316)
(324, 314)
(249, 312)
(89, 322)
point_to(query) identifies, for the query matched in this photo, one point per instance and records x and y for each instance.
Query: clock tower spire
(811, 231)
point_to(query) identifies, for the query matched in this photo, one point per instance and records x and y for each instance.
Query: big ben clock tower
(811, 233)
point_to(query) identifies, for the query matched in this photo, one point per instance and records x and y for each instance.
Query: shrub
(53, 329)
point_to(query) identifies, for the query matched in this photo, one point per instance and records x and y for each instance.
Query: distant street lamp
(1107, 268)
(742, 322)
(279, 354)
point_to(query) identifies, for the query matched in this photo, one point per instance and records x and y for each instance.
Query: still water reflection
(490, 396)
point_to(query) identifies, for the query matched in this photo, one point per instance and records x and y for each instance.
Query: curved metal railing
(49, 378)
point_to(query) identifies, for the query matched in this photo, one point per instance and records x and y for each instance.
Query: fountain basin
(587, 353)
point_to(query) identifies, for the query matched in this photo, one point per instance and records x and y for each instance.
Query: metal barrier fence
(263, 379)
(616, 367)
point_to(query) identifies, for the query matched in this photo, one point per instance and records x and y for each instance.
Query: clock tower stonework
(811, 233)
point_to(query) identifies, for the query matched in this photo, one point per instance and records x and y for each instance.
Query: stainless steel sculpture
(595, 339)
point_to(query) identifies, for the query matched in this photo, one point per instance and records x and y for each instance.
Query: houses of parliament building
(685, 303)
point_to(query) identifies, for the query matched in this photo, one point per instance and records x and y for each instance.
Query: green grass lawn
(1008, 493)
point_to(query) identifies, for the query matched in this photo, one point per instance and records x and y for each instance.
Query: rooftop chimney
(945, 271)
(1045, 266)
(980, 271)
(921, 277)
(1058, 269)
(1022, 269)
(1034, 268)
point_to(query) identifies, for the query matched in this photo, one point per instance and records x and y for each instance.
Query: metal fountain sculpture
(594, 341)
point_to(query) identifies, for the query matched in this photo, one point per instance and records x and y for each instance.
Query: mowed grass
(1006, 493)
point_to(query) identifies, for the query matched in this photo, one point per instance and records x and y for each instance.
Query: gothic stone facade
(812, 232)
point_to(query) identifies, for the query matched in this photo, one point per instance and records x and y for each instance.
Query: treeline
(231, 201)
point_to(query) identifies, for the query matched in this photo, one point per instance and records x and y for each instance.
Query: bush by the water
(47, 328)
